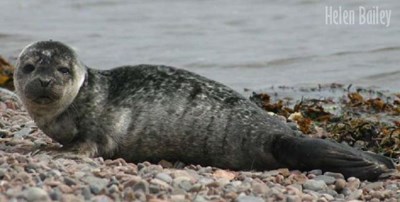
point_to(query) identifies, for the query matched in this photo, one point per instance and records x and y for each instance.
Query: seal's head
(48, 77)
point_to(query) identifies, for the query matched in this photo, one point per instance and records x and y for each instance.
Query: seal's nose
(45, 82)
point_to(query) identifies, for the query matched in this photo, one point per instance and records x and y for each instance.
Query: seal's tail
(308, 153)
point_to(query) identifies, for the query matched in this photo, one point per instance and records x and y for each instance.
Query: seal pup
(150, 113)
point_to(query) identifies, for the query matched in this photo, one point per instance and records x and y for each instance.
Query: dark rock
(56, 194)
(68, 181)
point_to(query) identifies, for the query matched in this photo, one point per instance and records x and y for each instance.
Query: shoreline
(45, 177)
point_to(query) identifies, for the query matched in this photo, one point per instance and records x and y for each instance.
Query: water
(244, 44)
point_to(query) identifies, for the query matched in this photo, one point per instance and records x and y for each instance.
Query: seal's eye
(63, 70)
(28, 68)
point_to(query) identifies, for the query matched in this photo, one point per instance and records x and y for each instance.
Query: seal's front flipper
(308, 153)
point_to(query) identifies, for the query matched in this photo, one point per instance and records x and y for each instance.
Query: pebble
(335, 175)
(315, 185)
(259, 188)
(185, 185)
(355, 195)
(327, 179)
(340, 184)
(374, 186)
(224, 174)
(22, 133)
(315, 172)
(96, 184)
(206, 180)
(249, 199)
(69, 181)
(87, 194)
(178, 198)
(353, 183)
(160, 183)
(164, 177)
(293, 198)
(199, 198)
(141, 186)
(56, 194)
(35, 194)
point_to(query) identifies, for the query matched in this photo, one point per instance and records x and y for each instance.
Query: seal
(155, 112)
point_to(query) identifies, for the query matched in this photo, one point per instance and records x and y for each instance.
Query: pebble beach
(29, 173)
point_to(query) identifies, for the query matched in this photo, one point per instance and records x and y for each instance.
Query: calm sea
(250, 44)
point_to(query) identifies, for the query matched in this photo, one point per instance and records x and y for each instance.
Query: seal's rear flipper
(308, 153)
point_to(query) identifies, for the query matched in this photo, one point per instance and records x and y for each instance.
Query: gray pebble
(335, 175)
(346, 191)
(35, 194)
(315, 185)
(55, 173)
(164, 177)
(3, 171)
(154, 189)
(94, 189)
(230, 188)
(260, 188)
(244, 187)
(328, 197)
(96, 184)
(270, 173)
(113, 189)
(178, 191)
(293, 198)
(87, 195)
(113, 181)
(42, 176)
(355, 195)
(206, 180)
(249, 199)
(316, 172)
(204, 170)
(392, 187)
(22, 133)
(56, 194)
(196, 187)
(185, 185)
(200, 198)
(68, 181)
(30, 168)
(327, 179)
(312, 193)
(374, 186)
(140, 166)
(142, 186)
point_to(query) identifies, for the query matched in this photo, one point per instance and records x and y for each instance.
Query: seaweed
(363, 118)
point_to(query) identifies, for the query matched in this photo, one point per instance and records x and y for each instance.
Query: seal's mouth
(43, 100)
